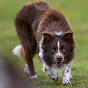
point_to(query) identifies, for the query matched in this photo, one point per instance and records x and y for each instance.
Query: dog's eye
(53, 49)
(63, 50)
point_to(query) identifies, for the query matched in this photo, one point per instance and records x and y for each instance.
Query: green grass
(76, 11)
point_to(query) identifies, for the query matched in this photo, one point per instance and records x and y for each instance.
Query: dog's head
(58, 43)
(58, 49)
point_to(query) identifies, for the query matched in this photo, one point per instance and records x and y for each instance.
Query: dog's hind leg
(28, 42)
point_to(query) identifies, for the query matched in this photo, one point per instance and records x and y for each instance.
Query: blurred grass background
(76, 12)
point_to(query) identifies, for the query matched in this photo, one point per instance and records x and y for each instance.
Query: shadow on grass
(12, 77)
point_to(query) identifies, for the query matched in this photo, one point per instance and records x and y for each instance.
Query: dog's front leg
(66, 76)
(52, 74)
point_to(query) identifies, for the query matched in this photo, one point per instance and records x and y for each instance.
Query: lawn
(76, 11)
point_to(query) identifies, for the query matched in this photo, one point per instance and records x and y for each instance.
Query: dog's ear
(48, 37)
(68, 36)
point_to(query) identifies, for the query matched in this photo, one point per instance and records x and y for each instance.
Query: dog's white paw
(33, 77)
(27, 72)
(53, 76)
(66, 82)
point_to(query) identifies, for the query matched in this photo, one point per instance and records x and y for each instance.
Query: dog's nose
(59, 58)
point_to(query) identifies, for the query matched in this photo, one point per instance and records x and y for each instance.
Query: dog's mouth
(59, 64)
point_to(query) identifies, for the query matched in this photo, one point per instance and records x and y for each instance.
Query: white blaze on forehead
(58, 44)
(59, 53)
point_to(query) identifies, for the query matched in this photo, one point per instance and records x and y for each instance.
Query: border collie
(47, 32)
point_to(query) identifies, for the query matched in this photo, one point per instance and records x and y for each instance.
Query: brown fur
(22, 53)
(32, 22)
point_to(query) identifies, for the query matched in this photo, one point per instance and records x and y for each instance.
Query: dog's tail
(19, 51)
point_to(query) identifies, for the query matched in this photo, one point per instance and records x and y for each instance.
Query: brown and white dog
(45, 31)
